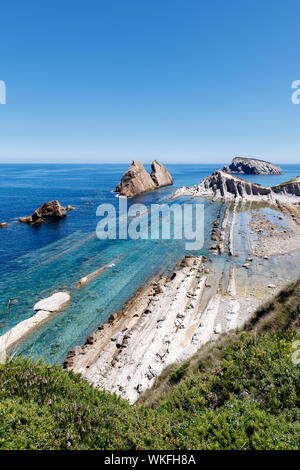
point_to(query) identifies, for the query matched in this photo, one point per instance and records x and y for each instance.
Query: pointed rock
(160, 174)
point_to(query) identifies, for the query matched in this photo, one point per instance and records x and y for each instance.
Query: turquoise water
(35, 261)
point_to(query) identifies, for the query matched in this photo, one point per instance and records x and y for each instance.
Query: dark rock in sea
(3, 224)
(49, 210)
(160, 175)
(136, 180)
(252, 166)
(69, 208)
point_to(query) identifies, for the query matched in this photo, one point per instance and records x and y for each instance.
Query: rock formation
(136, 180)
(252, 166)
(221, 185)
(49, 210)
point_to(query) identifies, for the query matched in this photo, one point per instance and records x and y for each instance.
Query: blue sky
(177, 80)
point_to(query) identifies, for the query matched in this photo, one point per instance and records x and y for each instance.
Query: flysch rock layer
(44, 310)
(221, 185)
(136, 180)
(252, 166)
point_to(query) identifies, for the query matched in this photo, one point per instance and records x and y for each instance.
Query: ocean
(36, 261)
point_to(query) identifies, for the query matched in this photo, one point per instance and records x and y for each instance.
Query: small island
(252, 166)
(136, 180)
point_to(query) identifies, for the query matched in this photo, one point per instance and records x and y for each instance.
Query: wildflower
(69, 444)
(49, 402)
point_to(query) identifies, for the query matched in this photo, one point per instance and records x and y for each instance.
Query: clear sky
(178, 80)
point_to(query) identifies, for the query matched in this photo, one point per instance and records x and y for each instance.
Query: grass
(239, 393)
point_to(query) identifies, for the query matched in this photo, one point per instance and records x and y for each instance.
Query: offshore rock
(136, 180)
(252, 166)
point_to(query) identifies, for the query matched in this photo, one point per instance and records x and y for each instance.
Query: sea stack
(136, 180)
(160, 175)
(48, 210)
(252, 166)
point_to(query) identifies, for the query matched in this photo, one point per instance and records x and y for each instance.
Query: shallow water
(35, 261)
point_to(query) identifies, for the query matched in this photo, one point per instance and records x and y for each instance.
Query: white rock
(218, 328)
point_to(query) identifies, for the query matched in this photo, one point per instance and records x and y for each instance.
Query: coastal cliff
(252, 166)
(221, 185)
(137, 180)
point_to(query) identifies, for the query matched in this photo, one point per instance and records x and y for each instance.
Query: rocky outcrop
(49, 210)
(160, 175)
(221, 185)
(136, 180)
(252, 166)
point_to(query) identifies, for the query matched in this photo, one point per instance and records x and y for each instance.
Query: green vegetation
(239, 393)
